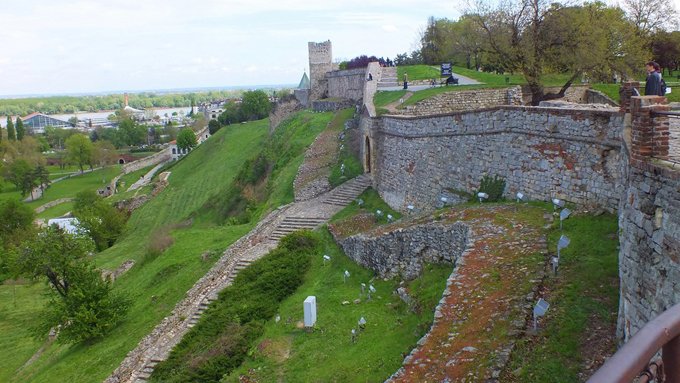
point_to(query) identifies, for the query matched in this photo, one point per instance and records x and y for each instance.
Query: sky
(61, 47)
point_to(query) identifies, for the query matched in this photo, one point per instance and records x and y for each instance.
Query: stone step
(300, 225)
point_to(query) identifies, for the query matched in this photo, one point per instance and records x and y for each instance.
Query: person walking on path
(653, 85)
(405, 81)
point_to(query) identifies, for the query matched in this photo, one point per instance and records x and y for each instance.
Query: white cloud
(96, 45)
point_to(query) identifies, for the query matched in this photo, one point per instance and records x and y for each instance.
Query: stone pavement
(156, 347)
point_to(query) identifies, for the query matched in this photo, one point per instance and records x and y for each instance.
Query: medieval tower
(320, 62)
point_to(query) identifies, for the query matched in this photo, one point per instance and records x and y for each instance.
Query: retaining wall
(347, 84)
(466, 100)
(402, 252)
(572, 154)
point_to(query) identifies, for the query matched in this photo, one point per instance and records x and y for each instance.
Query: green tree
(79, 150)
(16, 219)
(214, 126)
(186, 139)
(255, 105)
(129, 133)
(19, 127)
(101, 221)
(22, 176)
(11, 134)
(16, 224)
(82, 304)
(42, 177)
(231, 114)
(105, 153)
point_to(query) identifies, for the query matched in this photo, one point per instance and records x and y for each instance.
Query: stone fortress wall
(543, 152)
(649, 217)
(347, 84)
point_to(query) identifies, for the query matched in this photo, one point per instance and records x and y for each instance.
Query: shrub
(233, 323)
(493, 186)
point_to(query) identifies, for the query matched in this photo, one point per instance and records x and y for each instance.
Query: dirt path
(486, 302)
(392, 107)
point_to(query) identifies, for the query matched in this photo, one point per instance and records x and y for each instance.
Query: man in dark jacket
(653, 85)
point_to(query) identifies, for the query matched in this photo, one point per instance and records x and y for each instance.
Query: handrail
(663, 332)
(670, 114)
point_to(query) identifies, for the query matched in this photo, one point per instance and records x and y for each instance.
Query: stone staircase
(145, 374)
(291, 224)
(155, 347)
(389, 77)
(344, 194)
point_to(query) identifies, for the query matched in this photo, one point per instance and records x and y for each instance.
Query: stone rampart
(331, 105)
(649, 219)
(571, 154)
(575, 94)
(282, 110)
(402, 252)
(155, 159)
(465, 100)
(347, 84)
(597, 97)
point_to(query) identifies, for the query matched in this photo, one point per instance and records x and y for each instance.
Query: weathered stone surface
(572, 154)
(403, 251)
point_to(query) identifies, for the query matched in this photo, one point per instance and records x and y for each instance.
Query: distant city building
(36, 123)
(177, 153)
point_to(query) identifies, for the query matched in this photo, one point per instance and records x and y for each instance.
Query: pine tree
(11, 135)
(19, 127)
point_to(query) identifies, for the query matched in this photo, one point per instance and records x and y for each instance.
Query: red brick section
(649, 132)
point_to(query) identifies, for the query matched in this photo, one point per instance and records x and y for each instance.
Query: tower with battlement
(320, 63)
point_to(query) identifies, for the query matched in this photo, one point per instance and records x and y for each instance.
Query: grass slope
(156, 284)
(584, 303)
(289, 354)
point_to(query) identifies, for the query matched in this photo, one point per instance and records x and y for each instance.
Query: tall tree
(79, 150)
(651, 16)
(255, 105)
(534, 36)
(42, 177)
(11, 134)
(101, 221)
(82, 304)
(186, 139)
(20, 129)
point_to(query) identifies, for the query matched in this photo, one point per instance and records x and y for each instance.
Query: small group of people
(654, 85)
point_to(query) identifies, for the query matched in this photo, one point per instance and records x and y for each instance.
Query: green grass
(417, 72)
(353, 166)
(372, 202)
(71, 186)
(156, 284)
(326, 354)
(209, 169)
(583, 295)
(18, 305)
(56, 211)
(383, 98)
(127, 180)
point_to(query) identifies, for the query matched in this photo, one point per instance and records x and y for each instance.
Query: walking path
(145, 179)
(155, 347)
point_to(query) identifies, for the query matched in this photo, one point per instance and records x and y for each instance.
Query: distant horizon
(182, 90)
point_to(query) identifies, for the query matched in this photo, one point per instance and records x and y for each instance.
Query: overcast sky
(58, 46)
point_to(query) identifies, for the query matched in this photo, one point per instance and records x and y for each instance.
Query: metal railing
(661, 333)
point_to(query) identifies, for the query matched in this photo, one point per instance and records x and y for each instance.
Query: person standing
(653, 85)
(405, 81)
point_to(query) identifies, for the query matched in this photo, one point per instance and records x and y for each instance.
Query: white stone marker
(310, 311)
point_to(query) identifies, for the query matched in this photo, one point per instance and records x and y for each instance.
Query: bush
(493, 186)
(218, 344)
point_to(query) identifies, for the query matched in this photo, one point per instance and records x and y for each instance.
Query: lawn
(327, 354)
(353, 166)
(71, 186)
(18, 305)
(156, 284)
(584, 302)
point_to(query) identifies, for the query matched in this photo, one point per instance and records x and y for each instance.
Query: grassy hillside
(155, 284)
